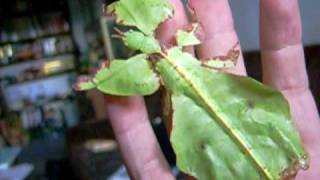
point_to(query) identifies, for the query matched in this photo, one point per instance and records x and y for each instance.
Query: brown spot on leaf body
(250, 104)
(291, 172)
(167, 110)
(203, 145)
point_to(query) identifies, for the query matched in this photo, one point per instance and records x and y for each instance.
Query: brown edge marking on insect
(112, 12)
(82, 79)
(189, 28)
(250, 104)
(152, 60)
(233, 54)
(170, 16)
(165, 97)
(192, 12)
(200, 34)
(203, 64)
(105, 64)
(167, 110)
(107, 9)
(291, 172)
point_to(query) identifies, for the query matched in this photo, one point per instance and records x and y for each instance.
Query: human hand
(283, 68)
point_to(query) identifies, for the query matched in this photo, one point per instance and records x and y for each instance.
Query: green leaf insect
(224, 126)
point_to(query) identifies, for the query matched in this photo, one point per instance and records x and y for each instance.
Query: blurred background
(49, 131)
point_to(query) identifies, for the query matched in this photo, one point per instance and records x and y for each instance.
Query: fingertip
(283, 61)
(207, 11)
(167, 30)
(280, 23)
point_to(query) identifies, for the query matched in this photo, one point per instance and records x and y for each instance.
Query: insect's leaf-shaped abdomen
(129, 77)
(146, 15)
(257, 136)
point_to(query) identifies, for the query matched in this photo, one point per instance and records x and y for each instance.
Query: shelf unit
(40, 78)
(29, 40)
(24, 87)
(48, 27)
(34, 9)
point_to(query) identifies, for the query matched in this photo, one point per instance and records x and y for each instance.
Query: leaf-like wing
(125, 78)
(136, 40)
(146, 15)
(203, 149)
(187, 38)
(227, 126)
(219, 64)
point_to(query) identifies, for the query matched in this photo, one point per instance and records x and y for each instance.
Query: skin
(283, 68)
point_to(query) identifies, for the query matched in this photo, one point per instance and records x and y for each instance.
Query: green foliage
(224, 126)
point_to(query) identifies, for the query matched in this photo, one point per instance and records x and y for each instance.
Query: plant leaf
(125, 78)
(187, 38)
(136, 40)
(146, 15)
(227, 126)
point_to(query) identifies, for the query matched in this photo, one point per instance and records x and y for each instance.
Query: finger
(166, 35)
(167, 30)
(138, 144)
(283, 56)
(282, 51)
(284, 68)
(217, 29)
